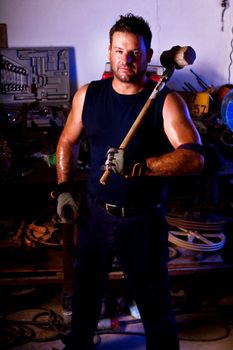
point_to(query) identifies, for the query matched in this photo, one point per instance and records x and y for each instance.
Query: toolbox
(38, 77)
(34, 74)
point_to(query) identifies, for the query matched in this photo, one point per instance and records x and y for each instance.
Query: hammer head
(178, 57)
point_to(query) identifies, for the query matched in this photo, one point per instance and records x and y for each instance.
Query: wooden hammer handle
(129, 136)
(138, 121)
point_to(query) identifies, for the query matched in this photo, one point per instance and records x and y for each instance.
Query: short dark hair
(132, 24)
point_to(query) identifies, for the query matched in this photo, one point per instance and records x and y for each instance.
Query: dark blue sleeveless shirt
(107, 117)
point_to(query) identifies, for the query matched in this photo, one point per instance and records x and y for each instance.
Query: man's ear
(149, 54)
(109, 49)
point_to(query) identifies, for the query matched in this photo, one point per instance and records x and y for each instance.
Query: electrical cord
(19, 332)
(199, 321)
(231, 59)
(224, 4)
(224, 336)
(14, 334)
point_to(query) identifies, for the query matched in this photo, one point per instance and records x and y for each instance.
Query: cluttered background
(47, 51)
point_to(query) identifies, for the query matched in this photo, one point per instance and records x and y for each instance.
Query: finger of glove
(70, 212)
(67, 207)
(65, 220)
(115, 152)
(115, 160)
(112, 150)
(114, 166)
(111, 167)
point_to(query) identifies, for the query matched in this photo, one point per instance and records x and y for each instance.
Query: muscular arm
(179, 129)
(69, 137)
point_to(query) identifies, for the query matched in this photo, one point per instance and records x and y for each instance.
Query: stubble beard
(129, 78)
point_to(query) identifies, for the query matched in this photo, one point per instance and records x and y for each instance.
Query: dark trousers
(140, 244)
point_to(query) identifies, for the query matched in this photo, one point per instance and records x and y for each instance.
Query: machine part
(202, 129)
(193, 240)
(227, 138)
(190, 221)
(222, 91)
(176, 58)
(227, 109)
(196, 226)
(48, 233)
(172, 253)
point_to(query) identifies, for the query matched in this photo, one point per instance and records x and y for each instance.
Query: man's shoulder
(99, 86)
(87, 88)
(101, 82)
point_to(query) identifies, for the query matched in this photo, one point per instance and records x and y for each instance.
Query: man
(125, 217)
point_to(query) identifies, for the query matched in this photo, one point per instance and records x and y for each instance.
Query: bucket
(198, 103)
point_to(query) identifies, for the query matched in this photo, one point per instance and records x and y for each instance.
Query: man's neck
(128, 88)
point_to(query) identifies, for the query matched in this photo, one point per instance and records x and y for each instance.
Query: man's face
(128, 56)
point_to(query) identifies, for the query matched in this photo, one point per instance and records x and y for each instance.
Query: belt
(117, 210)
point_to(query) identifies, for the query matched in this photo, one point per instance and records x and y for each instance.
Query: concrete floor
(206, 328)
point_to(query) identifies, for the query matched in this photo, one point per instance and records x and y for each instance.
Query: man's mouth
(125, 69)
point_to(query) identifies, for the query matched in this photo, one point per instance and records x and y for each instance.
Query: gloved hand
(118, 163)
(115, 160)
(67, 209)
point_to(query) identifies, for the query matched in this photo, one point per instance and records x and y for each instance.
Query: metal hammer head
(178, 57)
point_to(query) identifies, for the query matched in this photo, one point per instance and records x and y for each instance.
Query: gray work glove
(67, 209)
(115, 160)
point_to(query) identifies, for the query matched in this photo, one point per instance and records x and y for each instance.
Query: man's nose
(127, 57)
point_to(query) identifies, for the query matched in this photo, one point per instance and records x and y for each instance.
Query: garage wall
(84, 25)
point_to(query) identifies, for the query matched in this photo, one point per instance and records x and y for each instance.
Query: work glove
(67, 209)
(117, 162)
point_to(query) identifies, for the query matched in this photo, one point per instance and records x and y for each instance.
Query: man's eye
(137, 53)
